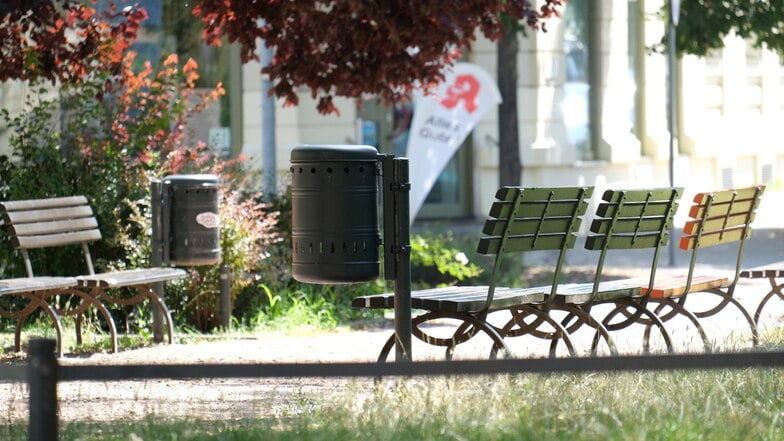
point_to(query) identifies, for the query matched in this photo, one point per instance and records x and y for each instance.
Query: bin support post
(225, 296)
(42, 381)
(156, 251)
(397, 247)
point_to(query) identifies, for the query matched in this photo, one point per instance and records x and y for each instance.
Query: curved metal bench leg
(679, 309)
(107, 316)
(742, 310)
(761, 305)
(775, 290)
(50, 311)
(164, 311)
(144, 291)
(469, 326)
(725, 300)
(518, 319)
(148, 292)
(469, 322)
(585, 317)
(654, 319)
(382, 357)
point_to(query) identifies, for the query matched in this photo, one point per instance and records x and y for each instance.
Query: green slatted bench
(69, 221)
(625, 220)
(520, 220)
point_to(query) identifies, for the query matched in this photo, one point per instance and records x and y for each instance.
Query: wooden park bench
(520, 220)
(625, 220)
(69, 221)
(774, 272)
(716, 218)
(37, 290)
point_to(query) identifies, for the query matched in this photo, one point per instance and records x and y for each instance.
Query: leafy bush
(436, 262)
(247, 230)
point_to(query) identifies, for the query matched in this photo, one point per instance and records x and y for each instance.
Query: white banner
(442, 120)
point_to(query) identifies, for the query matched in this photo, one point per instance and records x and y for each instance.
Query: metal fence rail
(43, 372)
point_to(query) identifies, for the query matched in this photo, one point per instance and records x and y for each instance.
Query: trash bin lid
(310, 153)
(192, 180)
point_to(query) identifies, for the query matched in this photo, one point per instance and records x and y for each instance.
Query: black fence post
(42, 379)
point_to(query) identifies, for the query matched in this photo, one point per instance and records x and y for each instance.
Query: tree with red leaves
(353, 48)
(63, 40)
(347, 48)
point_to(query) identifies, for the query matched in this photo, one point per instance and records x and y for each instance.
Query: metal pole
(672, 114)
(397, 247)
(402, 261)
(268, 158)
(42, 381)
(225, 296)
(156, 251)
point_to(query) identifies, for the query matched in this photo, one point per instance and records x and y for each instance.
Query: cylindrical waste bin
(191, 224)
(334, 218)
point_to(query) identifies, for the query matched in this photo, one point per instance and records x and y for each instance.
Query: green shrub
(435, 261)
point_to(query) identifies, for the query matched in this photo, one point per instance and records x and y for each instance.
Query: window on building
(575, 104)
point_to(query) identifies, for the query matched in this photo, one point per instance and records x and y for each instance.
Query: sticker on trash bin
(208, 219)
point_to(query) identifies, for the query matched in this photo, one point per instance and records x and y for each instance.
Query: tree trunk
(510, 169)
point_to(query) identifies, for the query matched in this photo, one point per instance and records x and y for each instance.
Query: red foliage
(62, 41)
(351, 48)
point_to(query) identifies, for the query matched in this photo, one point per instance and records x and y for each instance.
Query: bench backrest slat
(528, 225)
(55, 227)
(40, 223)
(55, 240)
(46, 215)
(32, 204)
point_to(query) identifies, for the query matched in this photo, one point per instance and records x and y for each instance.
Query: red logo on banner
(466, 89)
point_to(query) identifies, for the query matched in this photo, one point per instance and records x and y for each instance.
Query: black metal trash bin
(334, 218)
(191, 224)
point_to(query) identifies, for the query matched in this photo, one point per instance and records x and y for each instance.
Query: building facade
(593, 110)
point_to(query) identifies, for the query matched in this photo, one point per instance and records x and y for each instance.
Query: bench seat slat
(34, 284)
(775, 270)
(675, 286)
(133, 277)
(607, 290)
(455, 298)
